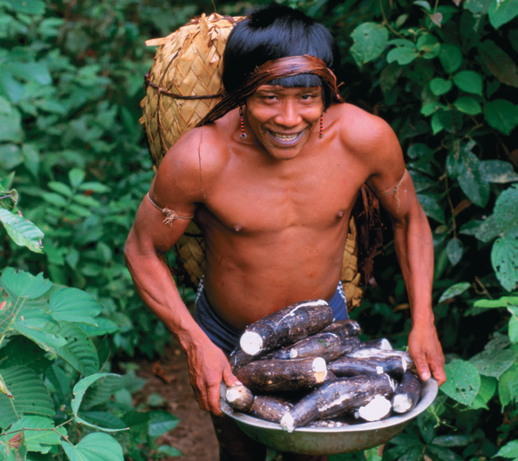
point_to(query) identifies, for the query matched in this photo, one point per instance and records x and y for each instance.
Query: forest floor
(169, 378)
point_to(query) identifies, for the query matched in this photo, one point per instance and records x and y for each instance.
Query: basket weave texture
(183, 85)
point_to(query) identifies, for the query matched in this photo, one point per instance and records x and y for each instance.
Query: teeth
(285, 137)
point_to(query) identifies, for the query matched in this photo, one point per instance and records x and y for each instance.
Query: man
(272, 183)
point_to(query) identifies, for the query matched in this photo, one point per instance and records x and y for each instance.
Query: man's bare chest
(259, 201)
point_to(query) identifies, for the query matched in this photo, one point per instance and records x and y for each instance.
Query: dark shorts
(226, 337)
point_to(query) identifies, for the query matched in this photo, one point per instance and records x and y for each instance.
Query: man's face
(282, 119)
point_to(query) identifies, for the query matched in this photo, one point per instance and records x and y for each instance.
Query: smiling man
(271, 177)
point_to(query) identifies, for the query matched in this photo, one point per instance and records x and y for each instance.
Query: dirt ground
(194, 435)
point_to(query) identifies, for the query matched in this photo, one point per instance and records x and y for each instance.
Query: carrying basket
(182, 86)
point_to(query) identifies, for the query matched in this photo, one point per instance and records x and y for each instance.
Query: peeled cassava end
(239, 397)
(378, 408)
(251, 343)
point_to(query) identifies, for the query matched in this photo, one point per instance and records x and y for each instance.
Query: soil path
(169, 378)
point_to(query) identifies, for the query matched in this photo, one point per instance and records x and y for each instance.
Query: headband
(273, 70)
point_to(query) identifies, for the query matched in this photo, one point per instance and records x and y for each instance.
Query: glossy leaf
(500, 64)
(450, 57)
(498, 171)
(500, 13)
(455, 290)
(402, 56)
(440, 86)
(454, 250)
(502, 115)
(508, 386)
(22, 284)
(74, 305)
(29, 395)
(467, 105)
(469, 81)
(370, 40)
(463, 381)
(22, 231)
(94, 447)
(504, 259)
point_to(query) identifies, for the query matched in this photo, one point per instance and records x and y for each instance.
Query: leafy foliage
(443, 75)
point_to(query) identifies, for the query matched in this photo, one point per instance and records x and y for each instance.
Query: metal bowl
(330, 441)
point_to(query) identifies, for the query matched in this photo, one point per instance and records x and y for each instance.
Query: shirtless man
(272, 184)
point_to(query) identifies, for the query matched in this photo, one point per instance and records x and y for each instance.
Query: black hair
(273, 32)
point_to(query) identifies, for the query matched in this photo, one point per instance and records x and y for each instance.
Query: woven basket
(184, 83)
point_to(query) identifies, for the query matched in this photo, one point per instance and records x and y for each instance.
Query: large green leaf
(370, 40)
(463, 381)
(39, 432)
(504, 259)
(508, 386)
(431, 208)
(22, 351)
(94, 447)
(498, 171)
(27, 6)
(501, 65)
(29, 395)
(161, 422)
(79, 352)
(467, 105)
(502, 115)
(80, 390)
(493, 362)
(440, 86)
(488, 386)
(469, 81)
(102, 390)
(22, 231)
(501, 12)
(450, 57)
(103, 327)
(24, 285)
(74, 305)
(41, 328)
(402, 55)
(454, 290)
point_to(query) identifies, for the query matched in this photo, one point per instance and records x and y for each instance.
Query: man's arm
(414, 248)
(176, 187)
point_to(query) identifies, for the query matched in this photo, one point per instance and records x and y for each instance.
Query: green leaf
(503, 301)
(430, 108)
(462, 383)
(104, 419)
(510, 450)
(161, 422)
(477, 7)
(102, 390)
(423, 4)
(94, 447)
(402, 56)
(507, 386)
(502, 115)
(36, 7)
(419, 150)
(102, 327)
(469, 81)
(428, 46)
(22, 231)
(76, 176)
(498, 171)
(454, 250)
(469, 174)
(440, 86)
(22, 351)
(468, 105)
(55, 199)
(370, 40)
(38, 326)
(454, 290)
(449, 120)
(504, 259)
(500, 64)
(493, 362)
(10, 155)
(80, 390)
(513, 324)
(488, 386)
(39, 433)
(24, 285)
(79, 351)
(450, 57)
(74, 305)
(29, 396)
(443, 453)
(501, 12)
(61, 188)
(95, 187)
(431, 208)
(10, 124)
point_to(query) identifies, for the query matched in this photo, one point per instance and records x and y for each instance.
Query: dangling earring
(242, 123)
(321, 131)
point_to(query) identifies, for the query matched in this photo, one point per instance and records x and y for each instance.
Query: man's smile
(287, 139)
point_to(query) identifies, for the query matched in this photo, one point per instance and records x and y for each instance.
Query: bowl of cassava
(335, 436)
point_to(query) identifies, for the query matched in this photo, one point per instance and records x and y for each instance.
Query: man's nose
(288, 116)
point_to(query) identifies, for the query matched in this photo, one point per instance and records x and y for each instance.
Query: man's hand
(426, 351)
(208, 368)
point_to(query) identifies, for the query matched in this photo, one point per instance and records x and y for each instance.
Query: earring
(242, 123)
(321, 131)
